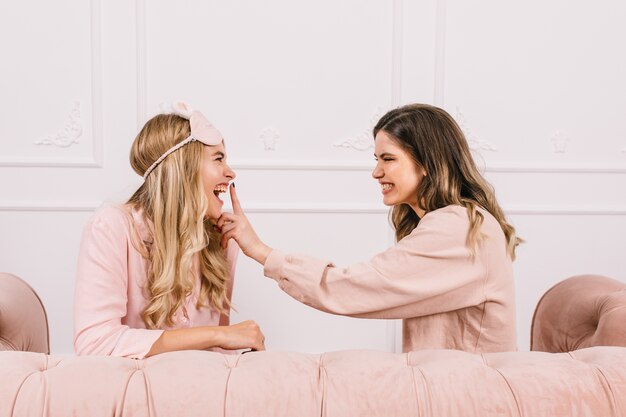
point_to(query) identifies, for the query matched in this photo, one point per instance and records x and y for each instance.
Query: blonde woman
(449, 277)
(152, 276)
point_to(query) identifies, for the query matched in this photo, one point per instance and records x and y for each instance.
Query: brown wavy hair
(436, 143)
(173, 202)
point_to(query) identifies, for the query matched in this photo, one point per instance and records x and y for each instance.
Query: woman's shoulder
(456, 217)
(112, 214)
(450, 216)
(111, 220)
(449, 226)
(444, 226)
(456, 212)
(123, 219)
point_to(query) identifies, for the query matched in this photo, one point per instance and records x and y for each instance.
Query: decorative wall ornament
(560, 141)
(475, 143)
(269, 136)
(69, 134)
(364, 140)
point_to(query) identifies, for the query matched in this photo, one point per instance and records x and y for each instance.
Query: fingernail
(233, 185)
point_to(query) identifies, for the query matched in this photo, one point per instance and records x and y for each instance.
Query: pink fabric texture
(109, 295)
(23, 319)
(433, 383)
(447, 299)
(579, 312)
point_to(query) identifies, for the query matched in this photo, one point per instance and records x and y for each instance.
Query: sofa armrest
(23, 320)
(580, 312)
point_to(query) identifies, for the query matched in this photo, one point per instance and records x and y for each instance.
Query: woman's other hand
(244, 335)
(236, 226)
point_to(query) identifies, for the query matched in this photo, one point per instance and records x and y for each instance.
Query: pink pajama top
(446, 298)
(109, 296)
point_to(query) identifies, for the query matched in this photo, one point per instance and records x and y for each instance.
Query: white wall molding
(78, 162)
(440, 53)
(565, 210)
(397, 45)
(96, 158)
(96, 83)
(363, 141)
(546, 169)
(142, 62)
(475, 143)
(269, 136)
(316, 208)
(312, 165)
(45, 206)
(69, 134)
(559, 141)
(322, 165)
(319, 165)
(308, 208)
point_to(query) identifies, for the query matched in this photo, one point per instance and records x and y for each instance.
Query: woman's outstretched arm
(428, 272)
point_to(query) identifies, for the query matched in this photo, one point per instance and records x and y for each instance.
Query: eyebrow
(384, 154)
(219, 153)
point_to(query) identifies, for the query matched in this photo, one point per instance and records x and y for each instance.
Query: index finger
(233, 198)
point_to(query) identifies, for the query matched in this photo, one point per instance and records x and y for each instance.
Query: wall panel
(290, 79)
(538, 84)
(51, 84)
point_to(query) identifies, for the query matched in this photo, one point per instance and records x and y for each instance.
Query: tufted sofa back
(579, 312)
(585, 383)
(23, 320)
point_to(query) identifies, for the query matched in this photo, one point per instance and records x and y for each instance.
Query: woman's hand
(244, 335)
(236, 226)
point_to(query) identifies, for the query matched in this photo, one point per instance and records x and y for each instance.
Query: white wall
(295, 88)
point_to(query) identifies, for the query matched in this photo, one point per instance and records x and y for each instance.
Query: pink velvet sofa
(585, 382)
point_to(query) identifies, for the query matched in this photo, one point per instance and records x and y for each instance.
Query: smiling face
(216, 175)
(397, 173)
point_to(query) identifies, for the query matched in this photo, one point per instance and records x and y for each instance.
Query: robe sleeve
(429, 271)
(101, 296)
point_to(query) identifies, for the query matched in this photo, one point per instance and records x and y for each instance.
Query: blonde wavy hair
(173, 202)
(436, 143)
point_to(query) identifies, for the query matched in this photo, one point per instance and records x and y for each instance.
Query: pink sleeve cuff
(136, 343)
(274, 265)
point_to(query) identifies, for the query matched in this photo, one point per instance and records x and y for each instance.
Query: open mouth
(219, 189)
(386, 188)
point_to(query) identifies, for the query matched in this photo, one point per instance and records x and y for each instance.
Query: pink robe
(447, 300)
(109, 296)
